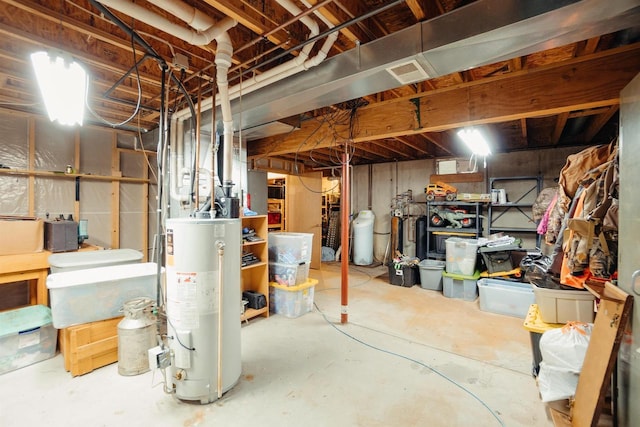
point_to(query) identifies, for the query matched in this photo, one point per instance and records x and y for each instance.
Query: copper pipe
(344, 239)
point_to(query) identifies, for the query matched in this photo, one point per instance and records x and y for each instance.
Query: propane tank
(136, 335)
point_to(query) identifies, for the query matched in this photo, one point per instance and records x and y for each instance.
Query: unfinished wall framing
(90, 173)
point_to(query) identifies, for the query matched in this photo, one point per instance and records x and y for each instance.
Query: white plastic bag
(556, 383)
(565, 348)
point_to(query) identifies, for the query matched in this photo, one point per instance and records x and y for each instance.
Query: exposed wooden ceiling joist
(575, 85)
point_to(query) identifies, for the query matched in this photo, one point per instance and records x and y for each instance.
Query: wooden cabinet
(275, 216)
(255, 276)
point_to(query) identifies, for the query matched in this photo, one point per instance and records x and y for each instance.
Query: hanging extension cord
(424, 365)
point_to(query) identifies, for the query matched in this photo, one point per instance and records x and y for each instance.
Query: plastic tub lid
(308, 284)
(475, 276)
(431, 264)
(23, 319)
(94, 258)
(499, 248)
(101, 274)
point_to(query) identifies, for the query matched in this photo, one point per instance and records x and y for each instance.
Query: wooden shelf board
(458, 177)
(50, 174)
(250, 313)
(257, 264)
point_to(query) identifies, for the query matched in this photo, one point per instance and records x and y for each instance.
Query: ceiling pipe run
(483, 32)
(282, 71)
(205, 30)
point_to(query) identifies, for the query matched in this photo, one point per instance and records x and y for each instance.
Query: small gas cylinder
(136, 335)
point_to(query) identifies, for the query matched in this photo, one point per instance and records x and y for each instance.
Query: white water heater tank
(363, 238)
(203, 298)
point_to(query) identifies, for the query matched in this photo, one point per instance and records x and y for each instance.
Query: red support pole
(344, 238)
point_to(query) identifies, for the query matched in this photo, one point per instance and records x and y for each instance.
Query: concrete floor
(408, 357)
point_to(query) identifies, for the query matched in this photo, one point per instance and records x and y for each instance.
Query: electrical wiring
(139, 100)
(424, 365)
(346, 117)
(178, 338)
(367, 280)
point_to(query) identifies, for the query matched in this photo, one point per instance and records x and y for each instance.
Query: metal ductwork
(480, 33)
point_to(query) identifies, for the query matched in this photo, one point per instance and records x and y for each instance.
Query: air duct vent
(408, 72)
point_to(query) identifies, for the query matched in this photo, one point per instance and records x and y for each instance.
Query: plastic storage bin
(403, 275)
(288, 274)
(27, 336)
(461, 255)
(536, 327)
(83, 296)
(431, 274)
(292, 301)
(562, 306)
(290, 248)
(505, 297)
(458, 286)
(70, 261)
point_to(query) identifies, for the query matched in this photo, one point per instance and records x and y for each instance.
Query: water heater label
(190, 295)
(182, 299)
(207, 292)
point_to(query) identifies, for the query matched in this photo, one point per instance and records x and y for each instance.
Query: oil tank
(203, 315)
(363, 238)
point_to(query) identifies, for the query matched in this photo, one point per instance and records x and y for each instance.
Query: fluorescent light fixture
(63, 84)
(475, 141)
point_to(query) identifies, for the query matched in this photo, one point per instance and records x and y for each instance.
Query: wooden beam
(362, 152)
(416, 9)
(598, 122)
(76, 167)
(409, 140)
(332, 15)
(389, 144)
(589, 112)
(439, 140)
(248, 18)
(516, 63)
(145, 209)
(561, 121)
(523, 128)
(589, 47)
(458, 177)
(571, 85)
(32, 164)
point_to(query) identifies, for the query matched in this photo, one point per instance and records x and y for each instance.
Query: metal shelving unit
(473, 232)
(515, 216)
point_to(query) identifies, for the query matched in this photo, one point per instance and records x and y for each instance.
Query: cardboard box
(21, 235)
